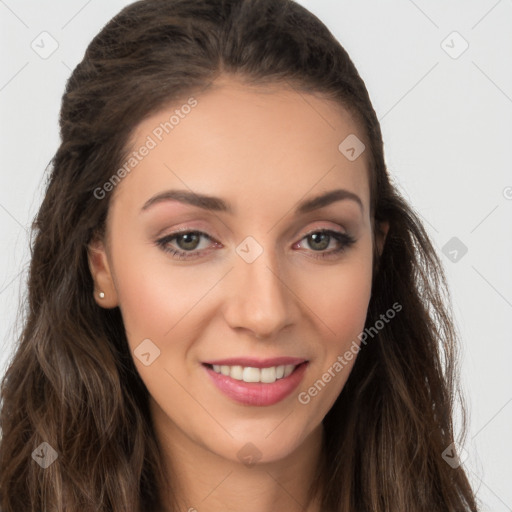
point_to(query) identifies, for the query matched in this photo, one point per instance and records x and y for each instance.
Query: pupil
(189, 238)
(325, 237)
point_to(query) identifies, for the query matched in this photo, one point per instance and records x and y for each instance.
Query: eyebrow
(216, 204)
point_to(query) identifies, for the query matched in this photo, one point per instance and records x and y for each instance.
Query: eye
(320, 240)
(187, 241)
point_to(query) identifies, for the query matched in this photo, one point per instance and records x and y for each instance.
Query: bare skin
(263, 151)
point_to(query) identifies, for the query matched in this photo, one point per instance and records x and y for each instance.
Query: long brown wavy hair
(72, 382)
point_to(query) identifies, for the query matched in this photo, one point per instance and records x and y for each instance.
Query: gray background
(447, 125)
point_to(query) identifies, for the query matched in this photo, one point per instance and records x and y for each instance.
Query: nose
(260, 302)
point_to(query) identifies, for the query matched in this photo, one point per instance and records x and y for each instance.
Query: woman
(230, 306)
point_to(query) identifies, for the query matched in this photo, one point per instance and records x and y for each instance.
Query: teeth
(250, 374)
(268, 374)
(236, 372)
(288, 369)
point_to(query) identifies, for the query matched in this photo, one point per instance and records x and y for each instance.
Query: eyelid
(315, 229)
(201, 228)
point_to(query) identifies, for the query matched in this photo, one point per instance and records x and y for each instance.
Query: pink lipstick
(256, 382)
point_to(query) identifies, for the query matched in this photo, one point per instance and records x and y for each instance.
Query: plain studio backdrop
(440, 79)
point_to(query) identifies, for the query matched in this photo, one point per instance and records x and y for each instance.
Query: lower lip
(257, 393)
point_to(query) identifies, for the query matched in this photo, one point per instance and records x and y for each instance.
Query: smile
(257, 383)
(250, 374)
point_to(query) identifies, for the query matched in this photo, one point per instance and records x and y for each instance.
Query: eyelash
(343, 239)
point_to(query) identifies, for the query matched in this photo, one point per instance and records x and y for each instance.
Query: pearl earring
(102, 295)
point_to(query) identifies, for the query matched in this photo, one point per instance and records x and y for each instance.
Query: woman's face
(269, 273)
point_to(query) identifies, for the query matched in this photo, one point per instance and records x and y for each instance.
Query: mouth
(266, 375)
(256, 382)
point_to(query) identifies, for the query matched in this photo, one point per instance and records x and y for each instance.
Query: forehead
(245, 141)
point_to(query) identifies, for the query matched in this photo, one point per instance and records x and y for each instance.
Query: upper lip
(256, 363)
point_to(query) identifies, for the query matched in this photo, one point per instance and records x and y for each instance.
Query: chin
(258, 446)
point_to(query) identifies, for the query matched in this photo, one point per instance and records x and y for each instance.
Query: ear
(381, 233)
(101, 275)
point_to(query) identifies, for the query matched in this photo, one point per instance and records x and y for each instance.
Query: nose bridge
(260, 301)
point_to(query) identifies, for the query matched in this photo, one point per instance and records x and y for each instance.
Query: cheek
(156, 295)
(167, 305)
(341, 301)
(350, 295)
(340, 295)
